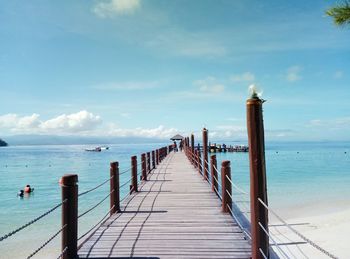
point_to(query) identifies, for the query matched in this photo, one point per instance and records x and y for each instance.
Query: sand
(328, 230)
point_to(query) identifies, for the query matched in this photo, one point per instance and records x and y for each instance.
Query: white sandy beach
(328, 230)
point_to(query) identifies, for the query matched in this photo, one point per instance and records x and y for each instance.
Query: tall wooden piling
(133, 174)
(143, 167)
(205, 155)
(153, 160)
(226, 187)
(69, 216)
(214, 174)
(148, 162)
(199, 161)
(258, 185)
(157, 156)
(192, 147)
(114, 188)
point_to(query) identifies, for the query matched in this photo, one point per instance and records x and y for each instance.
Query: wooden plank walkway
(175, 215)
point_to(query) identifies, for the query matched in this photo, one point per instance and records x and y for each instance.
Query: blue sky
(154, 68)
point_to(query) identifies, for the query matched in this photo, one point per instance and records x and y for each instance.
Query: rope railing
(218, 193)
(313, 244)
(246, 232)
(236, 187)
(99, 222)
(94, 188)
(124, 184)
(32, 221)
(70, 192)
(262, 253)
(216, 169)
(273, 241)
(125, 171)
(62, 253)
(46, 242)
(96, 205)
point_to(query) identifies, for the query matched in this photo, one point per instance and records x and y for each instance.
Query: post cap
(114, 164)
(225, 163)
(69, 179)
(213, 157)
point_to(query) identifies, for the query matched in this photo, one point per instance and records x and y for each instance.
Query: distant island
(3, 143)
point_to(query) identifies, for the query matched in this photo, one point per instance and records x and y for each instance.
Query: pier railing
(249, 209)
(70, 200)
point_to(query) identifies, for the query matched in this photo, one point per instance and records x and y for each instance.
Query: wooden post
(157, 156)
(258, 185)
(226, 187)
(114, 188)
(69, 216)
(205, 154)
(133, 174)
(192, 148)
(199, 161)
(148, 162)
(143, 167)
(153, 160)
(214, 173)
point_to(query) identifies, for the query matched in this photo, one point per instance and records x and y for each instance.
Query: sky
(150, 68)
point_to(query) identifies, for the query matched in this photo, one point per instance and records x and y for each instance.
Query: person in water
(20, 193)
(28, 189)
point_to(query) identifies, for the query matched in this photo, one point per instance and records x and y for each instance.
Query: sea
(301, 176)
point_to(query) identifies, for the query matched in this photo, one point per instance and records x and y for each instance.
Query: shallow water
(298, 174)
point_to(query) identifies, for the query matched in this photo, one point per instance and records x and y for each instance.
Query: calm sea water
(299, 175)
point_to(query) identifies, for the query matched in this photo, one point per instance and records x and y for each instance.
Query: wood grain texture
(175, 215)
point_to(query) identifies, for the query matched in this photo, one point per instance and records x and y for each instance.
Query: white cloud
(75, 122)
(245, 77)
(8, 120)
(63, 124)
(209, 85)
(127, 86)
(338, 74)
(293, 74)
(29, 121)
(81, 123)
(116, 7)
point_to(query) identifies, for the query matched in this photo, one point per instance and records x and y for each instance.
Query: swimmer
(20, 193)
(28, 189)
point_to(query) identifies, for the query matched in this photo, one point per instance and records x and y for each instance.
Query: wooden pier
(175, 214)
(179, 205)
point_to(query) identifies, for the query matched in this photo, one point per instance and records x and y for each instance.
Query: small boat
(96, 149)
(104, 148)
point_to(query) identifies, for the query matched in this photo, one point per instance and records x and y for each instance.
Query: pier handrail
(157, 156)
(197, 159)
(95, 188)
(70, 182)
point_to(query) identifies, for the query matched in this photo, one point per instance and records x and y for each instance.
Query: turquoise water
(42, 167)
(299, 174)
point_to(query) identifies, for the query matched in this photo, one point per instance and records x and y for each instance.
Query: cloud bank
(82, 123)
(79, 122)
